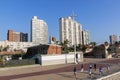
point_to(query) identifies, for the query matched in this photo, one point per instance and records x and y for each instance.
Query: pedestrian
(108, 67)
(77, 58)
(100, 71)
(95, 67)
(74, 71)
(90, 72)
(82, 68)
(90, 66)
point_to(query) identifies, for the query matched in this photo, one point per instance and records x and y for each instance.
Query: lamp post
(75, 59)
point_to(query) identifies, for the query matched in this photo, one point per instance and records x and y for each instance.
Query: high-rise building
(85, 37)
(23, 37)
(10, 35)
(17, 36)
(39, 31)
(70, 30)
(113, 39)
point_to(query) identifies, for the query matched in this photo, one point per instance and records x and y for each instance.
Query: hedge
(18, 62)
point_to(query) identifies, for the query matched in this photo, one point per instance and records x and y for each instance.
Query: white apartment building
(86, 37)
(113, 39)
(70, 30)
(39, 31)
(16, 45)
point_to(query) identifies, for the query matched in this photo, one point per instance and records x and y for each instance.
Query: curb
(105, 78)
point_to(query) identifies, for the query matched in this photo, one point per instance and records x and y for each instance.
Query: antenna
(73, 15)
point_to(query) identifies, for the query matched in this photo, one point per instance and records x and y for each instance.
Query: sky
(100, 17)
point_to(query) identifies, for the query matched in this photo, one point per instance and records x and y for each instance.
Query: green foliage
(112, 49)
(99, 51)
(5, 49)
(18, 62)
(83, 48)
(93, 43)
(65, 47)
(16, 56)
(1, 48)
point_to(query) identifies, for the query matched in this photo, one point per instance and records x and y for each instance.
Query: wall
(54, 49)
(59, 59)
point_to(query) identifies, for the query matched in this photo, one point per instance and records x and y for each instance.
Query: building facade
(113, 39)
(70, 30)
(85, 37)
(10, 35)
(23, 37)
(39, 31)
(44, 49)
(17, 36)
(12, 46)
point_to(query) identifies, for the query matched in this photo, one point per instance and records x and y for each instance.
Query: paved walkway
(57, 72)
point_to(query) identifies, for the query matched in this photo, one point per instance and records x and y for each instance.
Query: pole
(75, 60)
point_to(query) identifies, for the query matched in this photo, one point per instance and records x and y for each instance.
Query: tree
(116, 44)
(79, 47)
(64, 45)
(57, 42)
(106, 43)
(1, 48)
(99, 51)
(93, 44)
(83, 48)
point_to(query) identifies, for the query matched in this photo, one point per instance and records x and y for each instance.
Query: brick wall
(54, 49)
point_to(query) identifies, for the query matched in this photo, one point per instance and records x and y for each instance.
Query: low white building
(16, 45)
(60, 59)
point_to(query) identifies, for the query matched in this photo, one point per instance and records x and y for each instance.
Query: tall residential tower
(86, 37)
(39, 31)
(70, 30)
(113, 39)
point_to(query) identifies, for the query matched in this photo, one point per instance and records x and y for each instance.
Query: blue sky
(100, 17)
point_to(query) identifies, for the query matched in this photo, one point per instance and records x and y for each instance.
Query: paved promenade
(59, 72)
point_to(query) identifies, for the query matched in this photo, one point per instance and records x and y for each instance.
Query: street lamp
(75, 54)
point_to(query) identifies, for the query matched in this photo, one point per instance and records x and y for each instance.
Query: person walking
(82, 68)
(90, 72)
(95, 66)
(100, 71)
(74, 71)
(77, 58)
(108, 68)
(90, 66)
